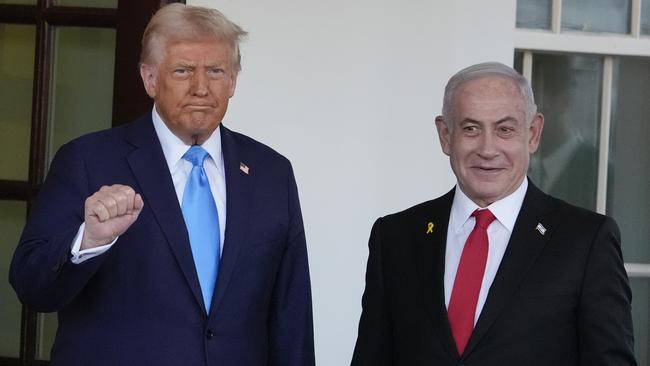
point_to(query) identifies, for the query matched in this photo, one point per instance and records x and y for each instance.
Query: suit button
(209, 334)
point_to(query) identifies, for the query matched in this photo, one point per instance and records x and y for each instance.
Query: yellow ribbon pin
(430, 227)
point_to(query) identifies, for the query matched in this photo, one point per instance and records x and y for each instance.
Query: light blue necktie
(202, 221)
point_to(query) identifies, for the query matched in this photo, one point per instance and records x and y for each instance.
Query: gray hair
(178, 22)
(485, 69)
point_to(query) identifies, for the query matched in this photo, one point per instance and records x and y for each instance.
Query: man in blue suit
(172, 240)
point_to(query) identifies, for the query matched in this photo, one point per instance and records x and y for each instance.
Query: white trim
(605, 125)
(556, 16)
(40, 340)
(635, 18)
(580, 42)
(637, 269)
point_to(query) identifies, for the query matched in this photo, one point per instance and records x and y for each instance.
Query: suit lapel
(148, 165)
(431, 269)
(238, 203)
(525, 245)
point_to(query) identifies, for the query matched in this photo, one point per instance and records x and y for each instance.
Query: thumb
(138, 203)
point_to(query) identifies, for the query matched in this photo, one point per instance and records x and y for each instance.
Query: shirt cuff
(80, 256)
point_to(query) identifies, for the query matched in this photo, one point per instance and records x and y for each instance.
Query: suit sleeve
(291, 333)
(41, 272)
(604, 318)
(373, 347)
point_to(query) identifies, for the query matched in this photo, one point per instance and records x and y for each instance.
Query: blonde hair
(178, 22)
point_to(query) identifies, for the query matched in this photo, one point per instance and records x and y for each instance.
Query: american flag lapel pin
(243, 167)
(540, 228)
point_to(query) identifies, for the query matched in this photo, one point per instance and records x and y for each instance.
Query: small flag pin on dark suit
(541, 228)
(243, 167)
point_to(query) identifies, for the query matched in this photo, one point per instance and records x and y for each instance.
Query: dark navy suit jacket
(140, 303)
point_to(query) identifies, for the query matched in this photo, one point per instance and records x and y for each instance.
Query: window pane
(611, 16)
(640, 318)
(534, 14)
(88, 3)
(645, 17)
(16, 78)
(628, 188)
(518, 63)
(12, 219)
(82, 83)
(567, 91)
(47, 324)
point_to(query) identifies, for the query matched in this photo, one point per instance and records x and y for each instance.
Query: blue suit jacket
(140, 303)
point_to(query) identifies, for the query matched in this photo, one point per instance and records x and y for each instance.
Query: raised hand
(108, 213)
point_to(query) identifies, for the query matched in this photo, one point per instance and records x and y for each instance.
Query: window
(589, 66)
(43, 51)
(60, 62)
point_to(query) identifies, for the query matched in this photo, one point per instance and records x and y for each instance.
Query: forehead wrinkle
(183, 63)
(223, 51)
(489, 91)
(481, 98)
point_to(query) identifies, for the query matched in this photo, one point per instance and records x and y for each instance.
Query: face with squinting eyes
(191, 87)
(488, 139)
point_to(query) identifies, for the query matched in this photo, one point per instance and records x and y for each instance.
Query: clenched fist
(108, 213)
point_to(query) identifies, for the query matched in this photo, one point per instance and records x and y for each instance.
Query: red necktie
(467, 284)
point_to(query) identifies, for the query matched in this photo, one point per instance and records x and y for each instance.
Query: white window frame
(529, 41)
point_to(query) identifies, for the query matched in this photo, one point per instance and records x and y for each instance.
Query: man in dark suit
(172, 240)
(495, 272)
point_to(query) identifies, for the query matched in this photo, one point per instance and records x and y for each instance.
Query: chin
(487, 193)
(202, 125)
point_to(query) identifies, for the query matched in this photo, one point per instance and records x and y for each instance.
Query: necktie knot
(483, 218)
(196, 155)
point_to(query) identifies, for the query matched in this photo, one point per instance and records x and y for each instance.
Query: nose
(488, 146)
(200, 84)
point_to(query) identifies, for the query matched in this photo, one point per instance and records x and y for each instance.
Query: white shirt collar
(505, 210)
(174, 148)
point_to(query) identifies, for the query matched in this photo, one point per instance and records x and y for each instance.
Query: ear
(444, 135)
(148, 75)
(535, 132)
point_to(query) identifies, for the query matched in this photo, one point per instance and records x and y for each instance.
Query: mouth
(487, 169)
(199, 107)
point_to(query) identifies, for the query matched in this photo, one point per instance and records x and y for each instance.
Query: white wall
(348, 90)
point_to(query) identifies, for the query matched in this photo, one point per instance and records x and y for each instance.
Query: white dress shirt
(461, 224)
(174, 149)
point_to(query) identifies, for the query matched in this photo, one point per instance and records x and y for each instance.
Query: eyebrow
(191, 64)
(502, 120)
(183, 64)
